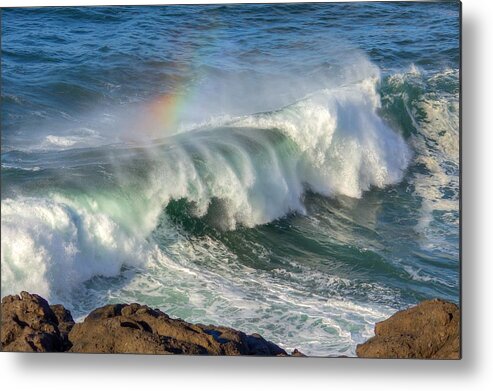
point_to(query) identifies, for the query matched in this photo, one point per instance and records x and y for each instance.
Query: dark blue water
(287, 169)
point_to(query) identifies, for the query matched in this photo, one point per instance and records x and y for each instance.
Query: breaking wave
(242, 171)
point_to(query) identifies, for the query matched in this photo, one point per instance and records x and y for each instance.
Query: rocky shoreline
(30, 324)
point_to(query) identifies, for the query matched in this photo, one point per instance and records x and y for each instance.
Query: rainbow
(167, 110)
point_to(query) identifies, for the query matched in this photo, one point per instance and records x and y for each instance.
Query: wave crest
(242, 171)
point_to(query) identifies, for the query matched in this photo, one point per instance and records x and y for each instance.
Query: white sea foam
(435, 116)
(204, 281)
(345, 147)
(419, 275)
(76, 138)
(332, 142)
(15, 167)
(51, 247)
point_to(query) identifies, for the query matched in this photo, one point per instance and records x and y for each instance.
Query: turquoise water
(291, 170)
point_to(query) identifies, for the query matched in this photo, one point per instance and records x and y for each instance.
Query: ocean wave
(241, 171)
(51, 246)
(430, 102)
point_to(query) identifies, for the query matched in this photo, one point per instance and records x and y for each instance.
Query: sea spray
(253, 169)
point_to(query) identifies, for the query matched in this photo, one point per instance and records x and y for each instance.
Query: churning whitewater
(302, 185)
(252, 170)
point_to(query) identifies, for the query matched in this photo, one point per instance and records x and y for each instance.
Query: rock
(30, 325)
(137, 328)
(428, 330)
(65, 323)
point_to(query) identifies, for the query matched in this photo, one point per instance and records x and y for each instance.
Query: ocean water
(290, 169)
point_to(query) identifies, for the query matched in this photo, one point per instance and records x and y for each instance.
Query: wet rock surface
(429, 330)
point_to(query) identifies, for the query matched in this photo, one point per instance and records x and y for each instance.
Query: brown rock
(297, 353)
(427, 330)
(30, 325)
(137, 328)
(65, 323)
